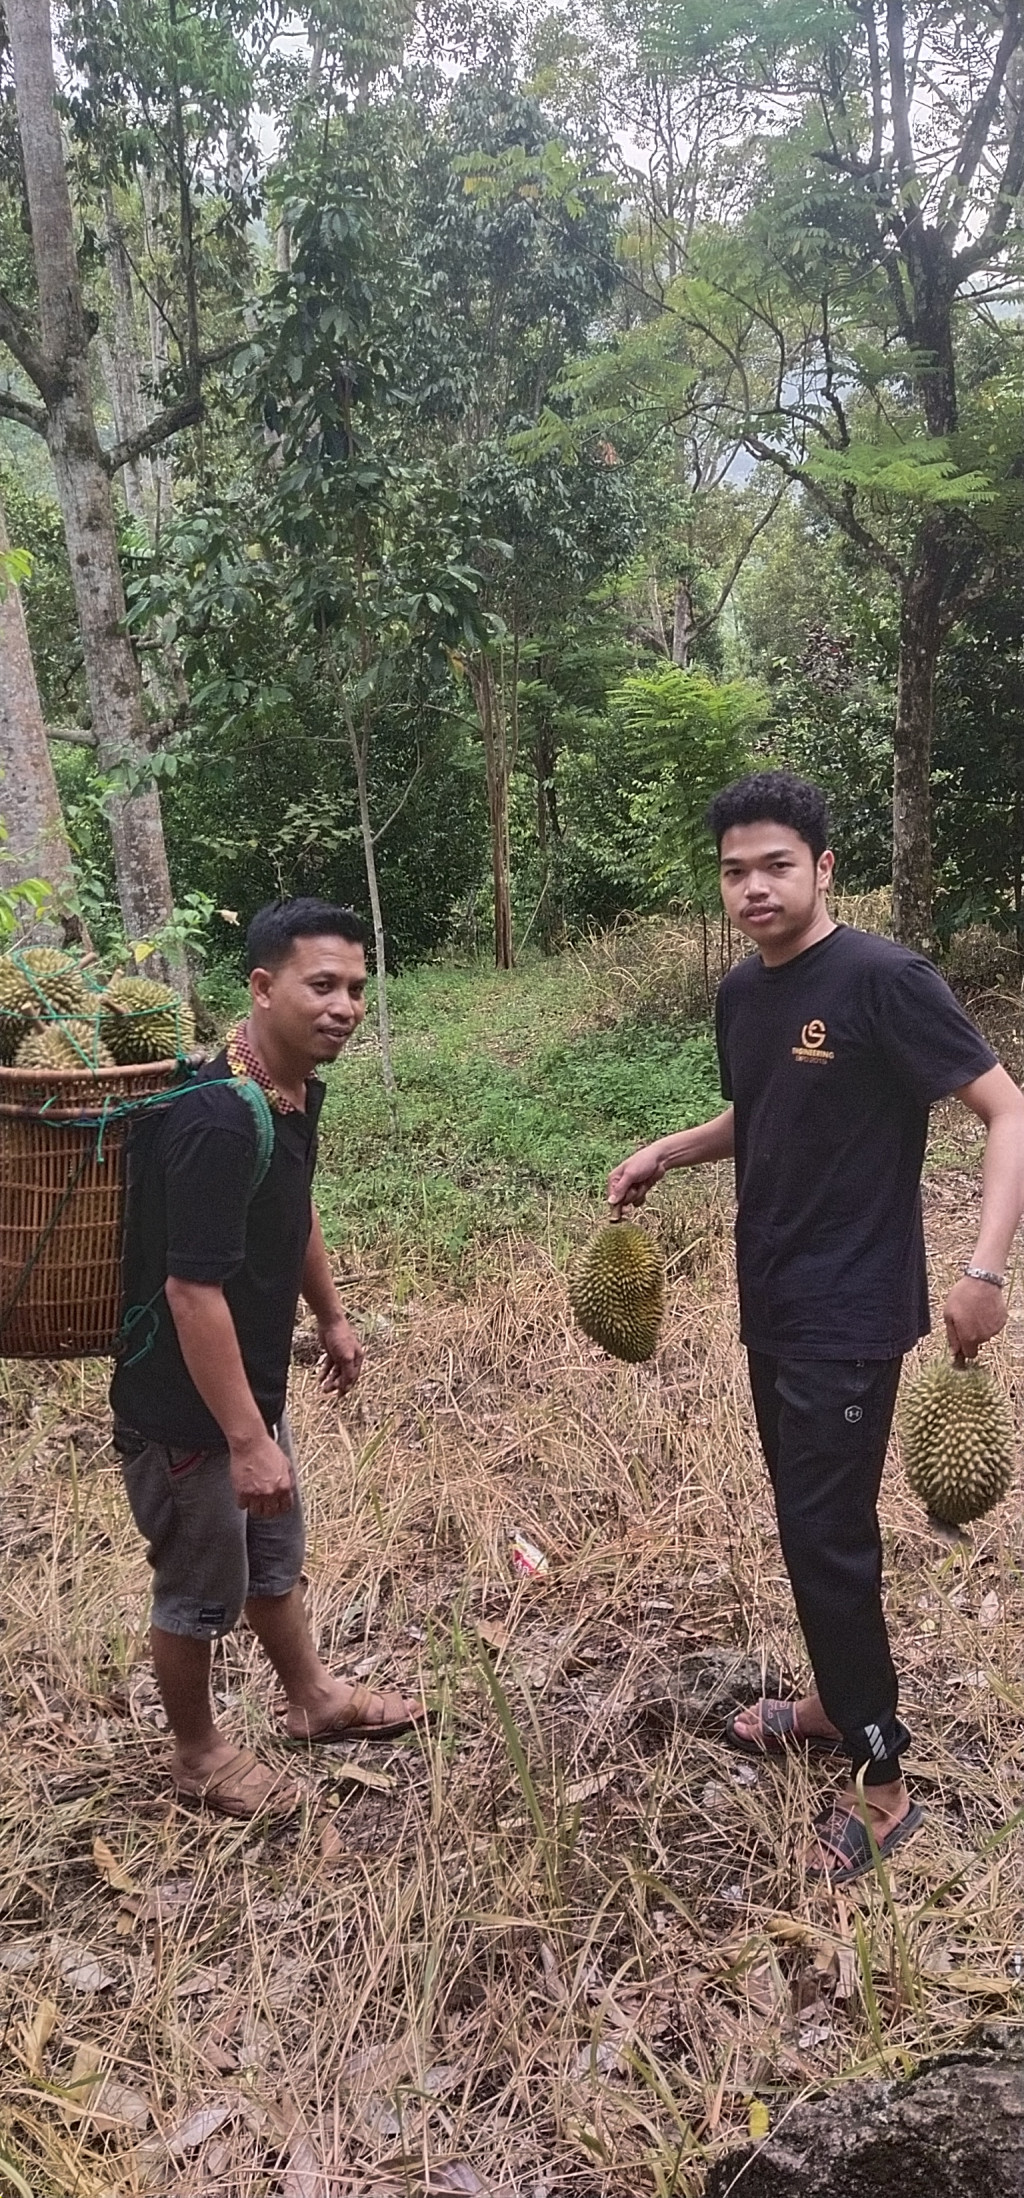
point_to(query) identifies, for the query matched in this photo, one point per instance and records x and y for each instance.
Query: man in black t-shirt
(833, 1044)
(220, 1239)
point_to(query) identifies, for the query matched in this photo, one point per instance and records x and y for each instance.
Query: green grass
(512, 1109)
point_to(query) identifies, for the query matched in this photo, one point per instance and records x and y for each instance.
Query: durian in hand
(141, 1020)
(956, 1435)
(617, 1291)
(69, 1047)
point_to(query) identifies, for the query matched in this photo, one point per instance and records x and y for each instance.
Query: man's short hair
(772, 797)
(274, 929)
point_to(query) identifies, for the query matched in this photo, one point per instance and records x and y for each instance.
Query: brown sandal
(396, 1716)
(243, 1788)
(780, 1733)
(842, 1848)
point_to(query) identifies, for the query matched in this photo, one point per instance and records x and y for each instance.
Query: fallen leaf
(198, 2127)
(80, 1969)
(583, 1789)
(553, 1984)
(493, 1634)
(440, 2078)
(380, 2118)
(21, 1956)
(360, 1774)
(977, 1985)
(109, 1867)
(304, 2176)
(454, 2179)
(815, 2027)
(766, 1990)
(201, 1981)
(218, 2052)
(34, 2037)
(155, 1903)
(759, 2120)
(844, 1972)
(989, 1609)
(331, 1846)
(100, 2098)
(599, 2060)
(713, 1795)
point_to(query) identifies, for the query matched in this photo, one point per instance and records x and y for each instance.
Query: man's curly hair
(775, 797)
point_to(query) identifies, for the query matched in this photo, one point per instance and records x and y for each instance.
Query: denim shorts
(207, 1556)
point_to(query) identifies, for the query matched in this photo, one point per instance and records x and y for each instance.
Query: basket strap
(259, 1106)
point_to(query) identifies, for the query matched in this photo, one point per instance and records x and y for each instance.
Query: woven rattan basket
(62, 1203)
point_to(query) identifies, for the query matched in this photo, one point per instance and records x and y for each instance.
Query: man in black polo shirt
(833, 1045)
(220, 1239)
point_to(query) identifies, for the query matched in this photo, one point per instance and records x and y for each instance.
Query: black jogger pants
(824, 1425)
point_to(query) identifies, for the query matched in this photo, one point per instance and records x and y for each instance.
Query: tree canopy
(447, 441)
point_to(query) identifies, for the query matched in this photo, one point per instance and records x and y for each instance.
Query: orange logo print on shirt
(812, 1045)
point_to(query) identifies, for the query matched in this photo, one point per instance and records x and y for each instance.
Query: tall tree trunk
(551, 911)
(37, 843)
(159, 343)
(122, 372)
(83, 486)
(682, 625)
(359, 742)
(497, 766)
(923, 625)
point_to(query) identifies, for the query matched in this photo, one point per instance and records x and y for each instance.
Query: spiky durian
(51, 983)
(956, 1434)
(74, 1047)
(141, 1020)
(617, 1290)
(14, 1023)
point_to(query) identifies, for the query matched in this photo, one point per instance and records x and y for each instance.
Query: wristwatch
(985, 1274)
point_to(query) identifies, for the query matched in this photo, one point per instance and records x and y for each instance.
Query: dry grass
(662, 968)
(570, 1939)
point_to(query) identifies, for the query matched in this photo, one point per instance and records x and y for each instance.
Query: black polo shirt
(832, 1061)
(192, 1211)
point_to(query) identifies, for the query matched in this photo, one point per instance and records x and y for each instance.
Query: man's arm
(974, 1311)
(630, 1182)
(342, 1348)
(260, 1472)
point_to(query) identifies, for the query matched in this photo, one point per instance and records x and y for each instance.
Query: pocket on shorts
(182, 1462)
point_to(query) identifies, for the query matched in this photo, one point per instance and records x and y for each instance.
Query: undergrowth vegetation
(512, 1107)
(564, 1944)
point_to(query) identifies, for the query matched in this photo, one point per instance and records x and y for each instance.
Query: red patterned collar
(243, 1060)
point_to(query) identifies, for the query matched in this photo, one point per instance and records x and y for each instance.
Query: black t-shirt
(192, 1212)
(832, 1061)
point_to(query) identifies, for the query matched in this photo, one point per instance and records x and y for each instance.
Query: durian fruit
(617, 1290)
(68, 1046)
(51, 983)
(956, 1435)
(141, 1020)
(14, 1023)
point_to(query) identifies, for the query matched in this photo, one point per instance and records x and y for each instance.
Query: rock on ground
(954, 2130)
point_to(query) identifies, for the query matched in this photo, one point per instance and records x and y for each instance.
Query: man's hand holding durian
(975, 1309)
(630, 1182)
